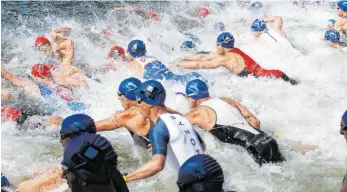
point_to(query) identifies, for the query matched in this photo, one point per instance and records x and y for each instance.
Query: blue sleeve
(159, 137)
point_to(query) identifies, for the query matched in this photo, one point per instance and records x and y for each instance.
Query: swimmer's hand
(149, 147)
(253, 121)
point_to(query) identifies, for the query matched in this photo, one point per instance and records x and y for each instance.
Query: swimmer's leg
(277, 74)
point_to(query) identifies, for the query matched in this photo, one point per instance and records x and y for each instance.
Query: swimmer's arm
(111, 123)
(68, 81)
(26, 84)
(277, 20)
(251, 119)
(194, 57)
(202, 64)
(152, 167)
(339, 24)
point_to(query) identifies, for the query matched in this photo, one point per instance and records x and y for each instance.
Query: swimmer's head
(127, 92)
(332, 35)
(258, 26)
(219, 26)
(256, 5)
(343, 130)
(188, 46)
(203, 12)
(224, 40)
(116, 52)
(75, 125)
(136, 48)
(150, 94)
(342, 8)
(196, 90)
(42, 71)
(43, 44)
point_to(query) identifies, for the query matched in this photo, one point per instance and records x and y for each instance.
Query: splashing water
(307, 113)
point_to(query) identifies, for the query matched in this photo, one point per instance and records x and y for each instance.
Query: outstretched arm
(277, 20)
(111, 123)
(212, 64)
(29, 86)
(251, 119)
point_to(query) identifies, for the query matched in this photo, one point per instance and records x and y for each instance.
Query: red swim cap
(41, 40)
(9, 113)
(203, 12)
(116, 51)
(153, 14)
(41, 70)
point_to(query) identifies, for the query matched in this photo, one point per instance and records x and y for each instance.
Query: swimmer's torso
(230, 123)
(182, 141)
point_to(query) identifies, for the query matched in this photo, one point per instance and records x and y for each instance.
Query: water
(307, 113)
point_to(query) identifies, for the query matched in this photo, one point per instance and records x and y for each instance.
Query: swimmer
(89, 161)
(343, 131)
(174, 139)
(147, 15)
(149, 67)
(116, 54)
(131, 118)
(341, 23)
(230, 122)
(236, 61)
(44, 83)
(271, 36)
(333, 36)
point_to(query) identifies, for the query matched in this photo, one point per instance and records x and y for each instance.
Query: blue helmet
(226, 40)
(137, 48)
(256, 5)
(219, 26)
(197, 89)
(151, 92)
(332, 35)
(128, 88)
(76, 125)
(342, 5)
(258, 25)
(188, 46)
(344, 117)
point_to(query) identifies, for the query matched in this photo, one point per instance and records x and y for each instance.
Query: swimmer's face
(124, 101)
(340, 13)
(46, 48)
(220, 50)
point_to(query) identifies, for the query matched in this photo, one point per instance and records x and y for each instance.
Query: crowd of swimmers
(89, 160)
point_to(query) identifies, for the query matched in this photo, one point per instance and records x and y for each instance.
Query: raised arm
(29, 86)
(251, 119)
(277, 20)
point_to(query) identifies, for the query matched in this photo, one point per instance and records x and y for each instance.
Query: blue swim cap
(76, 125)
(344, 117)
(332, 21)
(137, 48)
(342, 5)
(194, 38)
(128, 88)
(197, 89)
(258, 25)
(219, 25)
(332, 35)
(256, 5)
(4, 181)
(151, 92)
(188, 46)
(226, 40)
